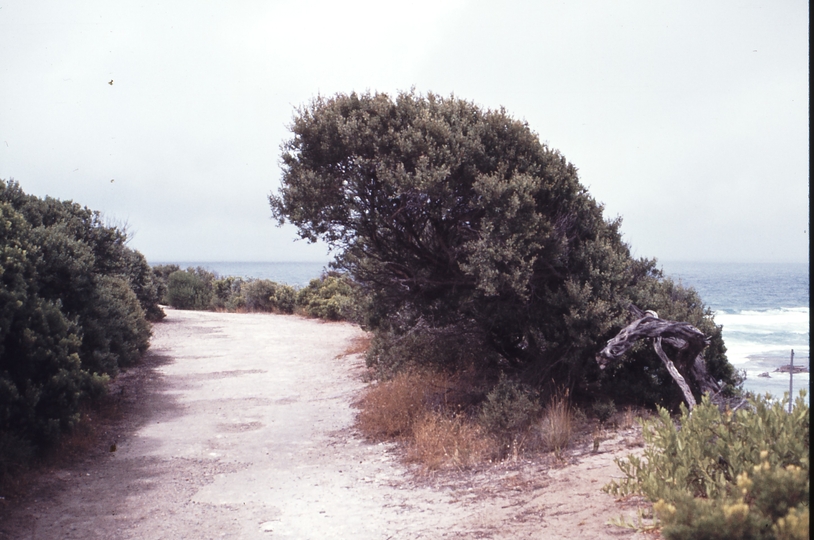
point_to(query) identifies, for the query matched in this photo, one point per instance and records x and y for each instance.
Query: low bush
(725, 475)
(226, 294)
(161, 275)
(284, 298)
(187, 289)
(115, 332)
(259, 294)
(145, 286)
(509, 410)
(197, 288)
(330, 297)
(602, 410)
(266, 295)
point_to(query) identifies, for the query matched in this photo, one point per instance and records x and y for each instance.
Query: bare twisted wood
(688, 341)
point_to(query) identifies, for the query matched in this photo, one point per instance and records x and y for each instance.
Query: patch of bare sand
(240, 426)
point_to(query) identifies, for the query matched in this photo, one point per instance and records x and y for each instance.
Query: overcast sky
(688, 119)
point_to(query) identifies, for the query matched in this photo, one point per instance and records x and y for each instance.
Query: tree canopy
(453, 217)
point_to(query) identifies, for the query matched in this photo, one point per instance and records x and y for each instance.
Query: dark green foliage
(116, 332)
(40, 377)
(259, 295)
(509, 409)
(724, 475)
(141, 280)
(330, 297)
(73, 300)
(449, 216)
(161, 275)
(284, 298)
(603, 410)
(226, 293)
(452, 348)
(15, 452)
(188, 289)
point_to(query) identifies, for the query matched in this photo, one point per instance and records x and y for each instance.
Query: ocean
(296, 274)
(764, 309)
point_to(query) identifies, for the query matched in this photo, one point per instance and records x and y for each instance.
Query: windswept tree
(458, 221)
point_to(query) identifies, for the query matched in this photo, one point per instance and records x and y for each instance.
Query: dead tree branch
(689, 369)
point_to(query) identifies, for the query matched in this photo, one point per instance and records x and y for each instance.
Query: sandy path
(243, 430)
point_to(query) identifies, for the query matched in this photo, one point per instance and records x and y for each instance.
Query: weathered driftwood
(688, 370)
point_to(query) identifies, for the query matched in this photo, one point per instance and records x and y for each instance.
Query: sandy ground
(240, 426)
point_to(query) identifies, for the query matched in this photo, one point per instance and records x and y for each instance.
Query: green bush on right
(725, 475)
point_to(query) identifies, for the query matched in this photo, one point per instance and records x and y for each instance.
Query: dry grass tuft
(557, 424)
(358, 345)
(449, 441)
(389, 408)
(628, 419)
(411, 407)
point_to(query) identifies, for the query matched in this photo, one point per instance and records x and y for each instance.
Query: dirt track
(242, 429)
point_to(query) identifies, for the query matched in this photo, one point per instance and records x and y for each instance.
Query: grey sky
(688, 119)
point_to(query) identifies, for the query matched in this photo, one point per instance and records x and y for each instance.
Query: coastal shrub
(161, 275)
(187, 289)
(723, 475)
(74, 308)
(329, 297)
(41, 380)
(141, 280)
(284, 298)
(508, 410)
(115, 331)
(258, 294)
(232, 294)
(602, 410)
(197, 288)
(227, 293)
(448, 215)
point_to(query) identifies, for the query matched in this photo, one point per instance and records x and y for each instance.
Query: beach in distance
(763, 307)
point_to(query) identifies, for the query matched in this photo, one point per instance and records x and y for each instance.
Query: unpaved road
(243, 429)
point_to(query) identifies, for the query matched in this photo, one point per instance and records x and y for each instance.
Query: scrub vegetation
(725, 475)
(75, 307)
(489, 280)
(331, 296)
